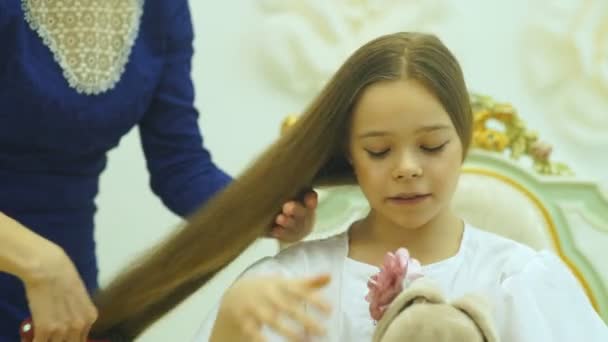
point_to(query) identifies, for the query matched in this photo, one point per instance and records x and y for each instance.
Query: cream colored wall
(259, 60)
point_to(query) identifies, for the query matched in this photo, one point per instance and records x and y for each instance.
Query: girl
(396, 120)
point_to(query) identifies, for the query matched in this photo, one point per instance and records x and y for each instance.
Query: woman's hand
(296, 220)
(274, 301)
(58, 300)
(60, 305)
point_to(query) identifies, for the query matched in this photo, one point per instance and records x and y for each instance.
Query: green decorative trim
(551, 191)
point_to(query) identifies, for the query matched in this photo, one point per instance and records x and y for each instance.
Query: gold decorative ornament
(513, 136)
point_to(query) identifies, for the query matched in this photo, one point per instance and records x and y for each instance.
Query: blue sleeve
(182, 172)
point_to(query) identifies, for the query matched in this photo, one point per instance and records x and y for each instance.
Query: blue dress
(54, 140)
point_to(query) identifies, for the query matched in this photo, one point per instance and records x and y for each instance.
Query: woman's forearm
(19, 249)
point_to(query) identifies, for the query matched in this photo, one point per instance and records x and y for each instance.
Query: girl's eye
(434, 149)
(377, 154)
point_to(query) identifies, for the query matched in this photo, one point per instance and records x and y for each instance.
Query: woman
(75, 77)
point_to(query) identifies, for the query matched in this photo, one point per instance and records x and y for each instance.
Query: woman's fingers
(59, 302)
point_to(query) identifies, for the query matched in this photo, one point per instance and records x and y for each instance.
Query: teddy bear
(420, 313)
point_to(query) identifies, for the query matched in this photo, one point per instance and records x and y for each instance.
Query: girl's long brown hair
(310, 154)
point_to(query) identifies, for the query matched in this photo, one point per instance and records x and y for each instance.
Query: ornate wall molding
(304, 42)
(565, 67)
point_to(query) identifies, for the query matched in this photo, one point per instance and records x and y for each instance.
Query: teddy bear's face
(420, 313)
(432, 322)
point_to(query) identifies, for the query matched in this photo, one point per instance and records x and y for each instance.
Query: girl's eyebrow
(424, 129)
(431, 128)
(373, 134)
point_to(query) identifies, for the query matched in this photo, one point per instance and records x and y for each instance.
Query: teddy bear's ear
(479, 310)
(420, 290)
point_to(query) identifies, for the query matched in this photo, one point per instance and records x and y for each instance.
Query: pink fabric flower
(396, 273)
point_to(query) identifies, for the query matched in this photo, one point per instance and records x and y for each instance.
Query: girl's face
(405, 152)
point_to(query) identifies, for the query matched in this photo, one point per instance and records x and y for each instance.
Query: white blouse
(533, 294)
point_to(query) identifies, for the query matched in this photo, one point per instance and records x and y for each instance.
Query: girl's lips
(408, 200)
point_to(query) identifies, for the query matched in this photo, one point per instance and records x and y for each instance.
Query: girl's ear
(346, 150)
(347, 156)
